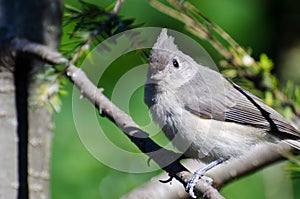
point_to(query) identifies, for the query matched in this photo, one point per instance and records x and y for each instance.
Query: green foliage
(91, 24)
(95, 20)
(51, 88)
(295, 170)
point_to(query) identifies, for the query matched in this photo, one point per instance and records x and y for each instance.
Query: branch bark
(221, 175)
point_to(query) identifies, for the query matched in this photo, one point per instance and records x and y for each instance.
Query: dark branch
(21, 72)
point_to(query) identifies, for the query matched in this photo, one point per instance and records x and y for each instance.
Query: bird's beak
(157, 76)
(157, 73)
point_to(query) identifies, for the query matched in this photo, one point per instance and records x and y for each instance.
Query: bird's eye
(150, 59)
(175, 63)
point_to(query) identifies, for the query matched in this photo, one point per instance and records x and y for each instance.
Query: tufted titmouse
(204, 115)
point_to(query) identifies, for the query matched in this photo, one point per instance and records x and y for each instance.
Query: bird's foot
(200, 174)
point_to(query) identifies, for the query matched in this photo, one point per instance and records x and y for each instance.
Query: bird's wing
(233, 104)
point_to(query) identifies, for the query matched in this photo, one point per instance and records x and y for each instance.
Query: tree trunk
(8, 137)
(38, 21)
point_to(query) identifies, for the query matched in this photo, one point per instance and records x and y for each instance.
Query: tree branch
(223, 174)
(155, 189)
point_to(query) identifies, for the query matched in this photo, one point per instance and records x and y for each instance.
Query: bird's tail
(293, 143)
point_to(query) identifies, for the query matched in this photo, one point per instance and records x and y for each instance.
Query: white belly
(206, 139)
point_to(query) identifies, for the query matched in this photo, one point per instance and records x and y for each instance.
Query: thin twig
(219, 30)
(117, 7)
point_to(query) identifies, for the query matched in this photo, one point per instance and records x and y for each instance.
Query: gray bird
(206, 116)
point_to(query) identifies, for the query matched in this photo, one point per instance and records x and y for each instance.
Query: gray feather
(234, 104)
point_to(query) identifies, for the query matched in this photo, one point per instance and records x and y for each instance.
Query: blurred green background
(262, 25)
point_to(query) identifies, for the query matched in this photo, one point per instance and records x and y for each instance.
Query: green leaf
(265, 63)
(269, 99)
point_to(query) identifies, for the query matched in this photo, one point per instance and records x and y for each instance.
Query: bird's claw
(167, 180)
(200, 174)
